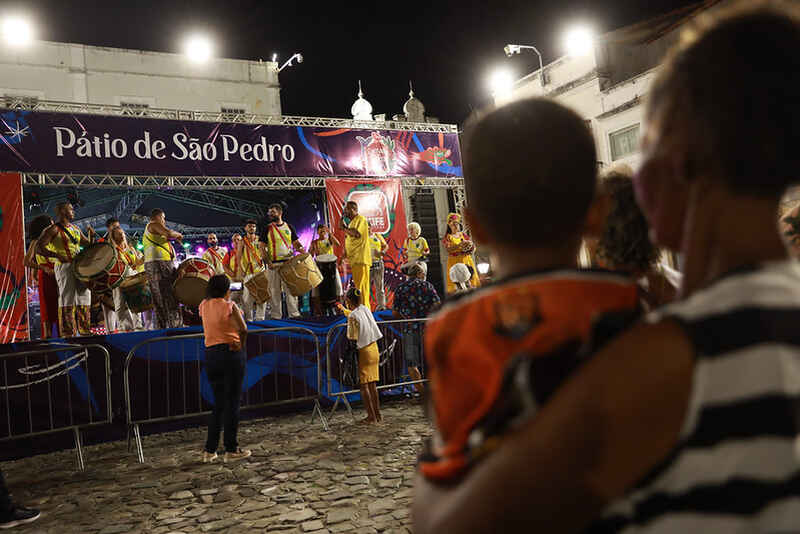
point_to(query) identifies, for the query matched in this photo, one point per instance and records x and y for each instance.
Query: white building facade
(608, 87)
(138, 79)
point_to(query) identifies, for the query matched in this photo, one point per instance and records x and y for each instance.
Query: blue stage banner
(93, 144)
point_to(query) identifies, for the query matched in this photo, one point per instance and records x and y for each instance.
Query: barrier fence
(169, 382)
(401, 350)
(52, 390)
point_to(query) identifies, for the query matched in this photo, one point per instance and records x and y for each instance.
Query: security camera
(299, 57)
(511, 49)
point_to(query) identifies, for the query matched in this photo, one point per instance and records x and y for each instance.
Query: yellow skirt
(368, 359)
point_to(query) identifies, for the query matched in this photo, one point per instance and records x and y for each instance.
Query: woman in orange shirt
(225, 338)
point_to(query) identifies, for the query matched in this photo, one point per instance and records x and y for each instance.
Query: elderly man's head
(418, 270)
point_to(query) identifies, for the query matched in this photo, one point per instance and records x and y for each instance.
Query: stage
(291, 366)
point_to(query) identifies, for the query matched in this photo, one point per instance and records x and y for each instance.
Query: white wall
(78, 73)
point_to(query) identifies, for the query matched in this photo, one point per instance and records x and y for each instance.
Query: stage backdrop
(381, 202)
(13, 300)
(93, 144)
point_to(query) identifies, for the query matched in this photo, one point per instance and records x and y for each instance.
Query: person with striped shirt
(688, 421)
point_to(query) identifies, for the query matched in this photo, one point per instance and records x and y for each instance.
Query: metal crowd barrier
(38, 381)
(181, 389)
(342, 359)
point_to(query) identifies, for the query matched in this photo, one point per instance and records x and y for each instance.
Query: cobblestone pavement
(356, 478)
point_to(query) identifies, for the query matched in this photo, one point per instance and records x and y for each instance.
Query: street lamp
(198, 48)
(501, 82)
(511, 49)
(288, 63)
(579, 41)
(17, 31)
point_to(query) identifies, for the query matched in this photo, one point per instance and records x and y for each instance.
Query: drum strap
(215, 254)
(272, 231)
(67, 240)
(169, 250)
(251, 251)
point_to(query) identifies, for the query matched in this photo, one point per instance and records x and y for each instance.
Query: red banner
(381, 202)
(13, 297)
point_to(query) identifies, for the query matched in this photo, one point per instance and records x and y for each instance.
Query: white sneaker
(209, 457)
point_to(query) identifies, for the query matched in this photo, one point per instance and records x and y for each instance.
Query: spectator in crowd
(362, 328)
(687, 422)
(11, 514)
(415, 298)
(542, 303)
(625, 244)
(47, 286)
(225, 340)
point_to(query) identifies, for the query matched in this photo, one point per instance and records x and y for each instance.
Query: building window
(137, 109)
(624, 142)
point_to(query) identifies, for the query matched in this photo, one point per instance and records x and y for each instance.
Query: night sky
(447, 48)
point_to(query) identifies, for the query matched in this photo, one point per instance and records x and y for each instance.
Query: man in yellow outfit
(357, 248)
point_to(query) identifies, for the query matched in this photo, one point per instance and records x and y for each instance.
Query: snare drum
(136, 292)
(258, 286)
(192, 281)
(328, 288)
(300, 274)
(99, 268)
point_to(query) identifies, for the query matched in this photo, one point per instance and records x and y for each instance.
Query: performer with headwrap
(459, 250)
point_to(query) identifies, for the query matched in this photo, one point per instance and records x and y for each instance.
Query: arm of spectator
(608, 425)
(241, 326)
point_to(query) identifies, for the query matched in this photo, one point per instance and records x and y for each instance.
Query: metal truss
(130, 202)
(216, 116)
(213, 200)
(212, 182)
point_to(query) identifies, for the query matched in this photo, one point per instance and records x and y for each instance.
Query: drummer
(127, 321)
(280, 245)
(213, 254)
(159, 258)
(65, 240)
(323, 245)
(108, 306)
(250, 264)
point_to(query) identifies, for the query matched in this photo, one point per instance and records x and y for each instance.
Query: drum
(327, 288)
(192, 281)
(258, 286)
(99, 268)
(136, 292)
(300, 274)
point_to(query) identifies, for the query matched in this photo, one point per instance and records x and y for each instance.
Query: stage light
(501, 81)
(17, 31)
(140, 246)
(198, 48)
(579, 41)
(186, 245)
(200, 250)
(483, 268)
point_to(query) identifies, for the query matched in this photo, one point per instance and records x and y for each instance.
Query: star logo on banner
(17, 132)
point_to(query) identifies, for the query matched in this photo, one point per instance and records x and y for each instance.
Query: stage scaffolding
(456, 184)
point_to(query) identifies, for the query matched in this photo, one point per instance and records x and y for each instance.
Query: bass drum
(328, 288)
(99, 268)
(192, 281)
(300, 274)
